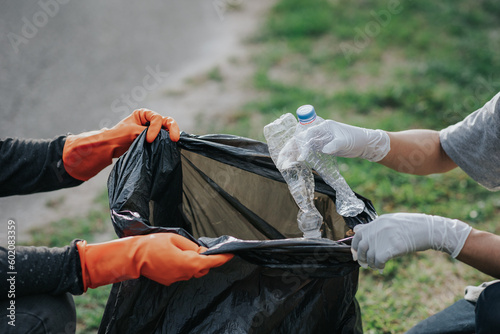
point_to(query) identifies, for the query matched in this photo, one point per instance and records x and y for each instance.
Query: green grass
(215, 74)
(422, 64)
(435, 59)
(90, 308)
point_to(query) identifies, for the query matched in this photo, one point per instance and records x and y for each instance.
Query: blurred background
(233, 66)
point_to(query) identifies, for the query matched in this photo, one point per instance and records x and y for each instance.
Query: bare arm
(417, 152)
(482, 251)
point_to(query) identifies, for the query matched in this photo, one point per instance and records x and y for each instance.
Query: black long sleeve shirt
(30, 166)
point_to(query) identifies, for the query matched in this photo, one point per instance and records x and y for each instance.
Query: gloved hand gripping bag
(224, 192)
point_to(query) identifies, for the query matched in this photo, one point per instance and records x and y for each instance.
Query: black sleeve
(30, 166)
(40, 270)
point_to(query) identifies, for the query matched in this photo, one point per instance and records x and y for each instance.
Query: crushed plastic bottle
(298, 176)
(325, 165)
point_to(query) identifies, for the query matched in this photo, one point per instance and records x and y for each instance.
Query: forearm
(30, 166)
(482, 251)
(417, 152)
(37, 270)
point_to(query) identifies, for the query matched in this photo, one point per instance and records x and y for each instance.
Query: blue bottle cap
(306, 114)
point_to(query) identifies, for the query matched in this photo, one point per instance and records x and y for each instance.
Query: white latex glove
(344, 140)
(396, 234)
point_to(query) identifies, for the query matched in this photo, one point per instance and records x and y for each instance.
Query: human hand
(162, 257)
(313, 139)
(136, 122)
(396, 234)
(168, 258)
(344, 140)
(86, 154)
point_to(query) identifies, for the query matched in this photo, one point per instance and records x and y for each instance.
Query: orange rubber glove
(163, 257)
(86, 154)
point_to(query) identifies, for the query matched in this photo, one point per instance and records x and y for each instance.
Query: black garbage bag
(224, 192)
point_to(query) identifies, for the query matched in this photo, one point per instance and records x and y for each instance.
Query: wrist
(449, 235)
(377, 145)
(109, 262)
(86, 154)
(81, 246)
